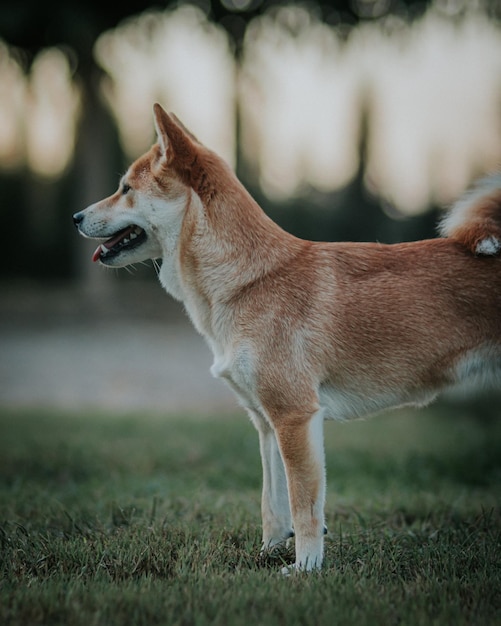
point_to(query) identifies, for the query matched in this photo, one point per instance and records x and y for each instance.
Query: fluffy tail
(475, 219)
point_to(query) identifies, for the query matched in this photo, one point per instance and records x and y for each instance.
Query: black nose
(77, 218)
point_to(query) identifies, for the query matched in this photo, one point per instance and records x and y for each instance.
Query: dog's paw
(294, 570)
(276, 543)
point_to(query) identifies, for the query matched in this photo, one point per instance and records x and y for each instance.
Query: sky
(432, 90)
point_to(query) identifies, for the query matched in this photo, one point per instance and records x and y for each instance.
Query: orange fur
(304, 331)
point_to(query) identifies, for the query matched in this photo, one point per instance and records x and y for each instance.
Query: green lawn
(116, 520)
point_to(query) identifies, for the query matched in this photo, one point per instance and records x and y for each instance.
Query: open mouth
(125, 239)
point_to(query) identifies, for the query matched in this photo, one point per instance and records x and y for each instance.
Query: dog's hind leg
(300, 437)
(275, 509)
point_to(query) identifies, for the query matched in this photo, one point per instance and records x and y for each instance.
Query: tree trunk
(96, 172)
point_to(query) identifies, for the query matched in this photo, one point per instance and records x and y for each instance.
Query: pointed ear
(174, 140)
(183, 127)
(162, 121)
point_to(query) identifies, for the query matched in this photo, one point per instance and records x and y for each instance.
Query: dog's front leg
(300, 438)
(275, 509)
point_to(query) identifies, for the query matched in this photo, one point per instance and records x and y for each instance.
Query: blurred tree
(31, 26)
(74, 25)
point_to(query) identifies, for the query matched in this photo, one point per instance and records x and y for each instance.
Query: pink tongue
(111, 242)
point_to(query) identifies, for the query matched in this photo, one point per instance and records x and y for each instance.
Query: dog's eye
(125, 188)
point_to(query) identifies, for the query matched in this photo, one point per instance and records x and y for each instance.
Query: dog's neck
(226, 244)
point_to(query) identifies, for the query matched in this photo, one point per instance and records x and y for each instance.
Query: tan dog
(305, 331)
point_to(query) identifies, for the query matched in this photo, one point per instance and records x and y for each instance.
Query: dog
(305, 331)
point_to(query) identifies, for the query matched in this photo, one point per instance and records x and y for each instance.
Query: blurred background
(347, 120)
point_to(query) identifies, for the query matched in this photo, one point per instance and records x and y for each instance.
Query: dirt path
(119, 365)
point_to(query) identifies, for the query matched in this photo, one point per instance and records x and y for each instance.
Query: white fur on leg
(310, 544)
(306, 482)
(275, 509)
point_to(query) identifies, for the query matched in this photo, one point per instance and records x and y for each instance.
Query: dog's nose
(77, 218)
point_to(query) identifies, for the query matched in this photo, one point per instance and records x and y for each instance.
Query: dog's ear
(176, 143)
(160, 119)
(183, 127)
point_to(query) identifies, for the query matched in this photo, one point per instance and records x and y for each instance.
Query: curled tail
(475, 220)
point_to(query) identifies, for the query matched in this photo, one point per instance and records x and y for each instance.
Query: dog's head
(145, 214)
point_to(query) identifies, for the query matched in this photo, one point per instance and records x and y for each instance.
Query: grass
(117, 520)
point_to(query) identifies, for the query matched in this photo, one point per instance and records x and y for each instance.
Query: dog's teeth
(104, 249)
(133, 235)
